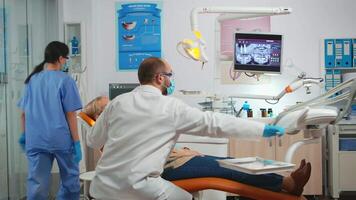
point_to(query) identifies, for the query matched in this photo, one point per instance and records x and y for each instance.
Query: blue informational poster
(138, 33)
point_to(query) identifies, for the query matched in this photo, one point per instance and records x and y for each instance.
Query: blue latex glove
(271, 130)
(22, 141)
(77, 153)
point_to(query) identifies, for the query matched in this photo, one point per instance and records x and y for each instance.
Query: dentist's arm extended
(192, 121)
(189, 120)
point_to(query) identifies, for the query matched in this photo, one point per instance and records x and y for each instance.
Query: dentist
(139, 129)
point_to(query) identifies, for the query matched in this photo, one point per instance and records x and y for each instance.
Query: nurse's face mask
(66, 64)
(169, 89)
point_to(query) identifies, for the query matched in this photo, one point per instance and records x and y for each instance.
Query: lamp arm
(293, 86)
(247, 11)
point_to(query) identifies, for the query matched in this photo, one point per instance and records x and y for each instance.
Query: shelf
(347, 152)
(342, 68)
(78, 56)
(75, 55)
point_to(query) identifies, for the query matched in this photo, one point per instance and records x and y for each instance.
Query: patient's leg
(207, 166)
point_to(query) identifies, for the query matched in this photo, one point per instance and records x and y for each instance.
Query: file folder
(354, 52)
(336, 77)
(329, 52)
(338, 52)
(347, 53)
(329, 83)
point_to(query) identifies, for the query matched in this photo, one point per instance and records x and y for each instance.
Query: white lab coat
(139, 129)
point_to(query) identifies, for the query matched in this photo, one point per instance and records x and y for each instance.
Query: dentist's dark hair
(149, 68)
(53, 51)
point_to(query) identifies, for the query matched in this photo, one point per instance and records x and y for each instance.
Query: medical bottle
(74, 44)
(249, 113)
(270, 112)
(245, 108)
(263, 112)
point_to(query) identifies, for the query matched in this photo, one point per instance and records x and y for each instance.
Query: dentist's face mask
(172, 85)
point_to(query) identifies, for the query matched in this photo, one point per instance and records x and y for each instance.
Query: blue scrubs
(46, 99)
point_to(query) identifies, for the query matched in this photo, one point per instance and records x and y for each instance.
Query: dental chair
(90, 155)
(194, 185)
(316, 114)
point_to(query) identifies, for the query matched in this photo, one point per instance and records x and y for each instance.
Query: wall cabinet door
(264, 148)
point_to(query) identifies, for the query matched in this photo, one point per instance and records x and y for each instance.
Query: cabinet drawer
(347, 127)
(347, 166)
(347, 144)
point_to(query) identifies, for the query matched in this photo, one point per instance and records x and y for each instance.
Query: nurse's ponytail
(37, 69)
(53, 51)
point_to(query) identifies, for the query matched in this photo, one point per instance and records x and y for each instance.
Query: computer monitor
(258, 52)
(116, 89)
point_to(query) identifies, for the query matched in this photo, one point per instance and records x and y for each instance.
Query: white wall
(303, 30)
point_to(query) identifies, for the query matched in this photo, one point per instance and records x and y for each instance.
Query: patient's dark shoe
(301, 166)
(302, 163)
(300, 178)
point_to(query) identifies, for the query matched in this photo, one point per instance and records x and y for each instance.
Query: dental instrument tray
(256, 165)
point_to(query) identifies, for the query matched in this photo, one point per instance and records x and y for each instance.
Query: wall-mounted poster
(138, 33)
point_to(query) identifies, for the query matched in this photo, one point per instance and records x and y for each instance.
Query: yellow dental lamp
(195, 48)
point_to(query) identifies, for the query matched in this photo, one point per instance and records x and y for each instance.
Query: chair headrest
(295, 121)
(87, 119)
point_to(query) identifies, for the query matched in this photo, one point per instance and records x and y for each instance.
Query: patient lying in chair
(184, 163)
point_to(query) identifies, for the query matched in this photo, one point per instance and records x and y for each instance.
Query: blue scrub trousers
(207, 166)
(39, 175)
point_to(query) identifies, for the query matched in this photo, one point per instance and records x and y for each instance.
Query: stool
(87, 177)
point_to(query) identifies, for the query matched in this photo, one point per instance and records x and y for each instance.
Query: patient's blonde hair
(93, 109)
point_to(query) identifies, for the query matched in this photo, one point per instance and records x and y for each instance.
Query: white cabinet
(342, 164)
(208, 146)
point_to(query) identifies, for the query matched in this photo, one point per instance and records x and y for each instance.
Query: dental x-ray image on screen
(257, 52)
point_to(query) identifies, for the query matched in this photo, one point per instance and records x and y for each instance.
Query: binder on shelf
(336, 77)
(329, 52)
(338, 52)
(329, 83)
(347, 53)
(354, 52)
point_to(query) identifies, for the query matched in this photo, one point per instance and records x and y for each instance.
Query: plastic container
(270, 112)
(74, 44)
(245, 108)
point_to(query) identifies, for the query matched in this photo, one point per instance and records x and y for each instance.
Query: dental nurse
(49, 102)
